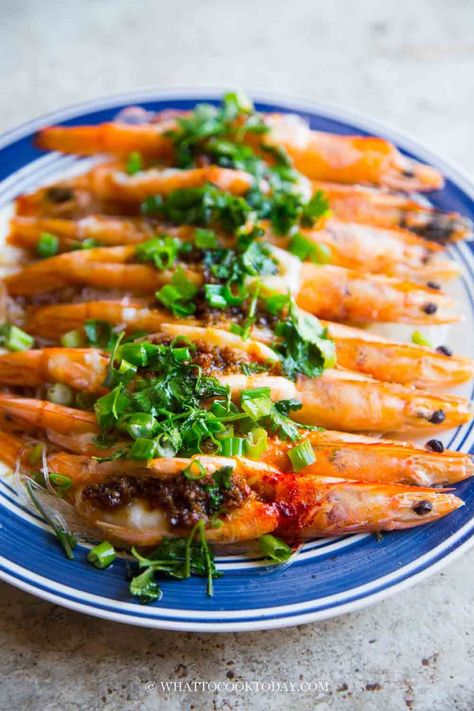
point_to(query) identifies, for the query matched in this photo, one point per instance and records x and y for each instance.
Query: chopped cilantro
(177, 558)
(304, 345)
(197, 134)
(178, 296)
(203, 206)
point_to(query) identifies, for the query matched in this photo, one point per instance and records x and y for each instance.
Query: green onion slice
(177, 296)
(232, 446)
(143, 448)
(139, 425)
(195, 470)
(302, 455)
(214, 294)
(72, 339)
(14, 339)
(307, 249)
(256, 403)
(275, 549)
(60, 394)
(102, 555)
(321, 254)
(256, 443)
(205, 239)
(134, 163)
(47, 245)
(420, 340)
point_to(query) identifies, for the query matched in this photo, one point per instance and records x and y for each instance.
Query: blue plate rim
(430, 562)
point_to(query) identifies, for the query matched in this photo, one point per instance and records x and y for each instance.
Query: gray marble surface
(409, 64)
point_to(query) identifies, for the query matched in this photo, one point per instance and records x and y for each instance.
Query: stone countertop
(409, 64)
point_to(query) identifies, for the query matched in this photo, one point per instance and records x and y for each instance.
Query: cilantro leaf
(304, 344)
(203, 206)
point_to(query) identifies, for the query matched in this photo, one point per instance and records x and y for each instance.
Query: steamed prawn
(333, 293)
(338, 399)
(375, 250)
(356, 349)
(350, 456)
(382, 208)
(263, 500)
(318, 155)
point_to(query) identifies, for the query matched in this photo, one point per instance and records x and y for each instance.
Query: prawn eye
(437, 417)
(422, 507)
(444, 350)
(430, 308)
(434, 445)
(60, 194)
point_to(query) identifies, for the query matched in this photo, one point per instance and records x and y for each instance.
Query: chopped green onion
(274, 548)
(47, 245)
(321, 254)
(238, 101)
(36, 453)
(181, 355)
(307, 249)
(162, 251)
(235, 299)
(420, 340)
(60, 394)
(143, 448)
(140, 354)
(14, 339)
(205, 239)
(123, 374)
(232, 447)
(302, 455)
(300, 246)
(102, 555)
(134, 163)
(256, 403)
(277, 302)
(256, 443)
(195, 470)
(62, 482)
(253, 393)
(220, 408)
(139, 425)
(177, 296)
(88, 243)
(214, 294)
(72, 339)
